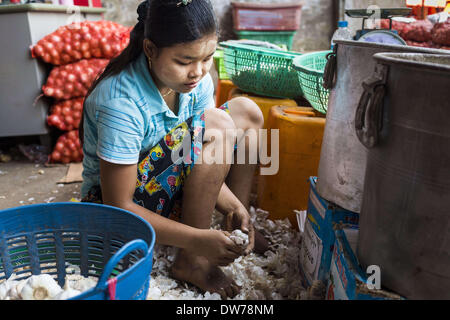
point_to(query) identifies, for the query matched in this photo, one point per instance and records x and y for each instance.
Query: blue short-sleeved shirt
(126, 115)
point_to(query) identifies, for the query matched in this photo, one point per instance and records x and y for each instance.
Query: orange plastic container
(224, 87)
(264, 103)
(301, 134)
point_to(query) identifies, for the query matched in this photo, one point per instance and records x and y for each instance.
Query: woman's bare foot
(201, 273)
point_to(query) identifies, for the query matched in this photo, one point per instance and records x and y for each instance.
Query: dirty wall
(315, 31)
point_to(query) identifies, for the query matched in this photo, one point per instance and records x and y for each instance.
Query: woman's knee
(217, 119)
(248, 112)
(219, 124)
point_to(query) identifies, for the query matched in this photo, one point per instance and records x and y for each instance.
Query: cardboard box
(347, 280)
(318, 238)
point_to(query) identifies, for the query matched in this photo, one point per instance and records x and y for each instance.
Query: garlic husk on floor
(271, 276)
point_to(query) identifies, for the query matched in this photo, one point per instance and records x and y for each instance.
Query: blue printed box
(347, 280)
(318, 235)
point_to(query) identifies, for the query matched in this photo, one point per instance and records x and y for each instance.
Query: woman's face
(182, 66)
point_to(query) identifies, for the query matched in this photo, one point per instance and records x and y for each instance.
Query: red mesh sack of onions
(419, 31)
(66, 115)
(428, 44)
(85, 40)
(441, 33)
(67, 149)
(396, 25)
(73, 80)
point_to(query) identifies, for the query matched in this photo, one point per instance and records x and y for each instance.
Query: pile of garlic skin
(272, 276)
(45, 287)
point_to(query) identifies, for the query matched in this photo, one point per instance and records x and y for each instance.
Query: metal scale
(387, 36)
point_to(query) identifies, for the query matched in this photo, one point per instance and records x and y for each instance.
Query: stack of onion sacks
(79, 53)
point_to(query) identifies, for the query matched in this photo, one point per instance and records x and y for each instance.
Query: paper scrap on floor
(73, 174)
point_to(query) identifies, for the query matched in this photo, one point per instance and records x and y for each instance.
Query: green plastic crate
(262, 71)
(280, 38)
(220, 65)
(310, 68)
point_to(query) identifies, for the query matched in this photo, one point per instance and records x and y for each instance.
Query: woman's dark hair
(166, 23)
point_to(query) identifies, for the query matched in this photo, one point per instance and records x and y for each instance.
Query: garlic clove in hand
(240, 238)
(41, 287)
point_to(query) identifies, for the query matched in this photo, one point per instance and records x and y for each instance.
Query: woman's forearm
(118, 183)
(168, 232)
(227, 200)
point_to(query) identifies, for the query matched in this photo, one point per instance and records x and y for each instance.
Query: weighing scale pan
(384, 13)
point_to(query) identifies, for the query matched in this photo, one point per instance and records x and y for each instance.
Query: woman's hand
(217, 247)
(240, 219)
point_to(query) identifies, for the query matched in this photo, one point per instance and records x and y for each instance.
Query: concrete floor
(23, 182)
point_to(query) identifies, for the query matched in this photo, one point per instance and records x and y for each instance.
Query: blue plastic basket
(112, 244)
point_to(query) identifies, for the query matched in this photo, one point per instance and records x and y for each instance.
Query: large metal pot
(404, 120)
(343, 159)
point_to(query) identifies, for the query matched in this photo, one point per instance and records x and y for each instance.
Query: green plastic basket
(220, 65)
(262, 71)
(280, 38)
(310, 68)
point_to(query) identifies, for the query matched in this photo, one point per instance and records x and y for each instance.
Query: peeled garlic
(41, 287)
(6, 286)
(67, 294)
(44, 287)
(80, 283)
(240, 238)
(14, 289)
(5, 289)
